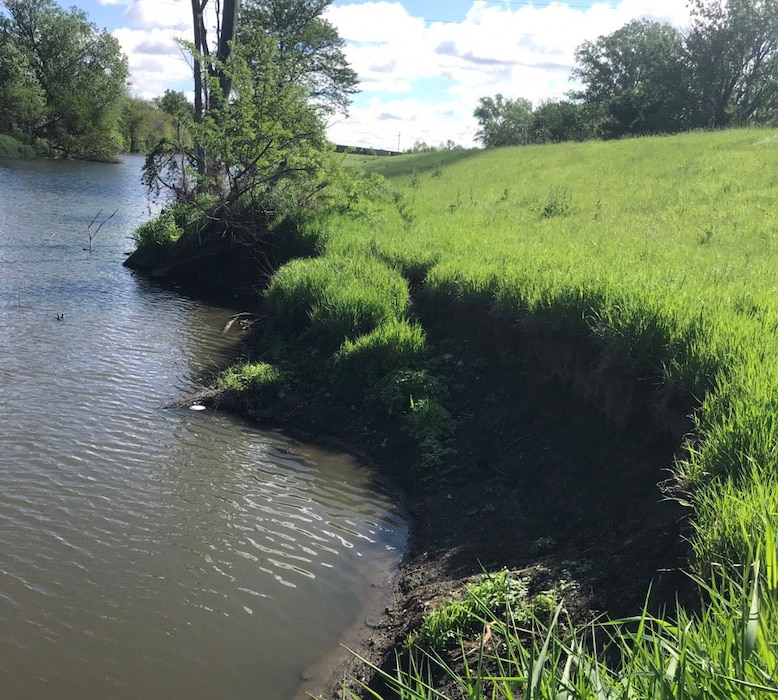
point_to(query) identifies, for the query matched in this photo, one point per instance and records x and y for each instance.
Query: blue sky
(422, 64)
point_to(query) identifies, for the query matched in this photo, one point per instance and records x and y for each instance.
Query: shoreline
(543, 483)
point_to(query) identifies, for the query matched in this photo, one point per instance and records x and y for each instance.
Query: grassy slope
(665, 250)
(651, 260)
(661, 253)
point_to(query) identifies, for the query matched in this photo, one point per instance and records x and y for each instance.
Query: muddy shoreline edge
(539, 458)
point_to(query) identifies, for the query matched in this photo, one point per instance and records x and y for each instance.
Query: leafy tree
(259, 103)
(634, 80)
(175, 104)
(264, 137)
(22, 102)
(732, 51)
(144, 123)
(554, 121)
(309, 47)
(504, 122)
(78, 69)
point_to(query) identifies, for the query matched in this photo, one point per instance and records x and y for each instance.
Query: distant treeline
(358, 150)
(651, 78)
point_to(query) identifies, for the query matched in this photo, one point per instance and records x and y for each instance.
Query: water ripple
(137, 541)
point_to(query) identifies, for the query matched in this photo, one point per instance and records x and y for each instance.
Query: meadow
(663, 253)
(662, 250)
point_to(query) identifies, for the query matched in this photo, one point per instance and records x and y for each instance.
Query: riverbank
(551, 355)
(541, 482)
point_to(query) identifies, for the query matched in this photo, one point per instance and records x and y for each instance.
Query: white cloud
(516, 50)
(156, 60)
(419, 80)
(152, 14)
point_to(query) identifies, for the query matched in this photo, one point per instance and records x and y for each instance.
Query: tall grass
(658, 255)
(725, 651)
(663, 252)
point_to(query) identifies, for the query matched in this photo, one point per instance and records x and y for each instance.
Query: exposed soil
(543, 483)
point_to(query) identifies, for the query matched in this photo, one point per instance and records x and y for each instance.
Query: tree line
(63, 86)
(63, 81)
(650, 78)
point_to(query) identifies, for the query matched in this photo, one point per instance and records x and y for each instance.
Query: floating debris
(197, 407)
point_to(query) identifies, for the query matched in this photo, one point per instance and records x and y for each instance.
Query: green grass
(337, 297)
(725, 651)
(656, 257)
(252, 376)
(662, 251)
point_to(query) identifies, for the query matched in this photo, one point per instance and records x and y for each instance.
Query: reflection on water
(149, 552)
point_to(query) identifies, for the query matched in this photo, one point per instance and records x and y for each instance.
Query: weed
(559, 203)
(251, 376)
(492, 594)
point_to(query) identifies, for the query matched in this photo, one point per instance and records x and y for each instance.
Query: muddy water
(148, 552)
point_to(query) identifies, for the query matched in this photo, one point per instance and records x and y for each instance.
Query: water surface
(146, 551)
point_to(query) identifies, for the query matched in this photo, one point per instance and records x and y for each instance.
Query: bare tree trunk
(229, 23)
(227, 20)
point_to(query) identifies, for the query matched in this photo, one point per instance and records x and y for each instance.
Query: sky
(422, 64)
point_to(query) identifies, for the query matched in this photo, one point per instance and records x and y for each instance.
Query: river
(149, 552)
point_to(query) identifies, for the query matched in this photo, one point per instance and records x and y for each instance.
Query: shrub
(250, 376)
(392, 346)
(492, 595)
(11, 148)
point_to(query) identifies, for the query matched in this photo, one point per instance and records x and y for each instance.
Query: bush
(492, 595)
(11, 148)
(392, 346)
(250, 376)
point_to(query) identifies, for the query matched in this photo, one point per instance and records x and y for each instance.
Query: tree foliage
(507, 122)
(258, 129)
(145, 122)
(732, 52)
(650, 78)
(503, 122)
(309, 47)
(634, 79)
(555, 121)
(265, 142)
(66, 79)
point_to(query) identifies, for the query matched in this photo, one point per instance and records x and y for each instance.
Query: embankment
(556, 473)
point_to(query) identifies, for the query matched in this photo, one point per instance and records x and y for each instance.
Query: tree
(78, 69)
(308, 45)
(22, 102)
(260, 100)
(554, 121)
(503, 122)
(180, 110)
(732, 52)
(634, 80)
(144, 123)
(266, 136)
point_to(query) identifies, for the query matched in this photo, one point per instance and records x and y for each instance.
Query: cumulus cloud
(149, 13)
(420, 79)
(157, 62)
(517, 50)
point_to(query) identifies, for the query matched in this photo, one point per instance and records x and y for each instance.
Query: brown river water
(149, 552)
